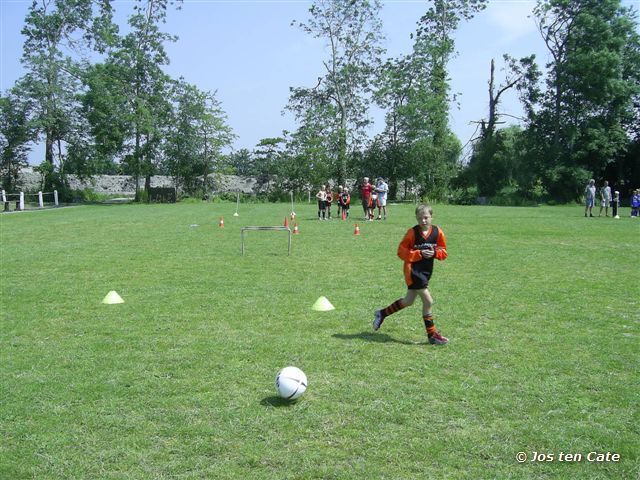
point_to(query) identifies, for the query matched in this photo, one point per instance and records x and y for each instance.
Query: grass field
(541, 306)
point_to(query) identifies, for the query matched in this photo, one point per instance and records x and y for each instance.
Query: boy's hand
(428, 253)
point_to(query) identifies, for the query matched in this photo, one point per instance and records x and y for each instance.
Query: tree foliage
(16, 133)
(584, 113)
(339, 101)
(193, 146)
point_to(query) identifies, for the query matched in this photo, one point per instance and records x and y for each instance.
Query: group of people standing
(326, 197)
(606, 199)
(372, 197)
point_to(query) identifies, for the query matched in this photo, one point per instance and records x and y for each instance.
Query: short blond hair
(422, 208)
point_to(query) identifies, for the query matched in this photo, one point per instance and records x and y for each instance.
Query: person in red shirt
(366, 191)
(420, 246)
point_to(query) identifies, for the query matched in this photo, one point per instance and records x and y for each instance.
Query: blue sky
(250, 54)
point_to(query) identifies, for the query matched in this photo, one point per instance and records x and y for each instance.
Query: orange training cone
(221, 222)
(286, 222)
(295, 229)
(357, 230)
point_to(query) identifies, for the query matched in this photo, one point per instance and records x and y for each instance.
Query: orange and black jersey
(418, 270)
(345, 198)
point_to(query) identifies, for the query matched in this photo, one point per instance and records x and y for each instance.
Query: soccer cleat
(437, 339)
(377, 320)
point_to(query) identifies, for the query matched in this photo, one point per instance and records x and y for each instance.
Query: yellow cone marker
(112, 297)
(323, 305)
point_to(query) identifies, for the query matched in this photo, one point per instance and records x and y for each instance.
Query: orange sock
(393, 308)
(429, 324)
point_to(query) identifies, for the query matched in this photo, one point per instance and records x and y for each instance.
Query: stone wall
(30, 181)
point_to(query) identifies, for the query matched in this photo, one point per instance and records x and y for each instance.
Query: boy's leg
(427, 316)
(396, 306)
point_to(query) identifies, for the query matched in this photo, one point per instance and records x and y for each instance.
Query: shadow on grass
(374, 337)
(278, 402)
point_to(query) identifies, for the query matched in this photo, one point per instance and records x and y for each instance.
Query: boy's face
(424, 219)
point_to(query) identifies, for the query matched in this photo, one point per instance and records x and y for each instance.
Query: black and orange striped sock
(393, 308)
(429, 324)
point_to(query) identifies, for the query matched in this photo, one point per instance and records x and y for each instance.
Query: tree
(138, 62)
(267, 154)
(522, 75)
(242, 162)
(491, 165)
(429, 97)
(193, 146)
(497, 161)
(580, 126)
(15, 135)
(53, 28)
(389, 152)
(352, 31)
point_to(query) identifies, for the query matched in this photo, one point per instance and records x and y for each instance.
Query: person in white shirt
(590, 197)
(382, 190)
(322, 202)
(605, 199)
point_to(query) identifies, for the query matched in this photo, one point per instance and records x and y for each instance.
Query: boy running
(419, 247)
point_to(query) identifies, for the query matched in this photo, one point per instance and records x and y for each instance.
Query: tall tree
(53, 30)
(241, 162)
(353, 32)
(389, 152)
(492, 149)
(430, 95)
(138, 61)
(580, 126)
(105, 106)
(199, 132)
(16, 133)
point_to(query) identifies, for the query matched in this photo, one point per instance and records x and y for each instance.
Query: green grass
(541, 306)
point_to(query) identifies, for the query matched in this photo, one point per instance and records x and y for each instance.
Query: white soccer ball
(291, 382)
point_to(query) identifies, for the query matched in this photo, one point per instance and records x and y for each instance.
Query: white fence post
(55, 197)
(21, 201)
(4, 196)
(40, 200)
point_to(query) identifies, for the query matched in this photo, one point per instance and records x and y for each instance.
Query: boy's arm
(406, 251)
(441, 246)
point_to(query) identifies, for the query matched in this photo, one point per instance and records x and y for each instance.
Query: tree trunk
(492, 103)
(48, 153)
(342, 156)
(206, 165)
(136, 165)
